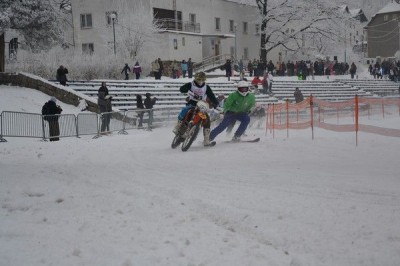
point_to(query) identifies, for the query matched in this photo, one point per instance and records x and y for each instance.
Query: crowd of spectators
(385, 69)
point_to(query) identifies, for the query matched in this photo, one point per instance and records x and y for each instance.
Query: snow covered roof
(389, 8)
(355, 12)
(344, 8)
(243, 2)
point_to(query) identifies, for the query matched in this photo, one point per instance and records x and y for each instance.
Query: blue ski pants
(229, 118)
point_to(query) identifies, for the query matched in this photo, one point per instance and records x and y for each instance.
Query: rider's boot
(207, 141)
(177, 127)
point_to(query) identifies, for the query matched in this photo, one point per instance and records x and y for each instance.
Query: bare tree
(287, 23)
(135, 27)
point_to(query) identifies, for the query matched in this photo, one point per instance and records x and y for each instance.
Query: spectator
(161, 69)
(298, 95)
(270, 80)
(184, 67)
(175, 69)
(148, 104)
(51, 110)
(104, 102)
(228, 69)
(250, 68)
(126, 70)
(190, 68)
(353, 70)
(137, 70)
(155, 68)
(241, 69)
(139, 105)
(61, 75)
(264, 83)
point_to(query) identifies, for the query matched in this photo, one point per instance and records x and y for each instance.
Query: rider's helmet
(243, 88)
(200, 77)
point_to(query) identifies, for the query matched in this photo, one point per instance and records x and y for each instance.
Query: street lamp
(113, 17)
(235, 27)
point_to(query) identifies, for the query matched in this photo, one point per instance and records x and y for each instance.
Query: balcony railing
(178, 25)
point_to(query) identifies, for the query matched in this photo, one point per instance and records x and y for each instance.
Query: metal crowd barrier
(20, 124)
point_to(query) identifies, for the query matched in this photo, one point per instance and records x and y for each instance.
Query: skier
(197, 90)
(237, 107)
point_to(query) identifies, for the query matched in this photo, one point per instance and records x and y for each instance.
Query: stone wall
(19, 79)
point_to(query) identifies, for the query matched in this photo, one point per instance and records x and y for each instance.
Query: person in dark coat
(161, 69)
(148, 104)
(139, 105)
(298, 95)
(104, 102)
(62, 75)
(228, 69)
(51, 110)
(190, 68)
(126, 70)
(353, 70)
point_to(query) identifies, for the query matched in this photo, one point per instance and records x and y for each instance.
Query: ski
(212, 144)
(244, 140)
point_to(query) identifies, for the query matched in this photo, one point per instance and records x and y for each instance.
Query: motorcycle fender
(202, 115)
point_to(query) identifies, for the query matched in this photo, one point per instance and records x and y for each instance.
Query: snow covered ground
(131, 200)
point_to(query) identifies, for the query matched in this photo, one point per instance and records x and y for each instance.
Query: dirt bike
(190, 126)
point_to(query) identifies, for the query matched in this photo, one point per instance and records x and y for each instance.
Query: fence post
(287, 118)
(273, 120)
(356, 118)
(43, 130)
(1, 128)
(312, 116)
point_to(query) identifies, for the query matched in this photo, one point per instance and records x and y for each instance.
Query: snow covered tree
(36, 20)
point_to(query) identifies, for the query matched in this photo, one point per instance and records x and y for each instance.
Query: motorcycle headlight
(203, 106)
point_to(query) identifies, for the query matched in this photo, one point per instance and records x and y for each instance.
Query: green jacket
(237, 103)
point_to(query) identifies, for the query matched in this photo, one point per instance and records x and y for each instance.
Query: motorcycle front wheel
(192, 135)
(176, 141)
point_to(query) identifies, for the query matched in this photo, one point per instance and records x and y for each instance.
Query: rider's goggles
(243, 89)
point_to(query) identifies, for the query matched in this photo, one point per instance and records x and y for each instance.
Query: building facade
(186, 28)
(383, 32)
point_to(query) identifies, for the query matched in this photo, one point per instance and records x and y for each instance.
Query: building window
(232, 51)
(246, 53)
(231, 25)
(86, 21)
(245, 25)
(217, 24)
(183, 41)
(292, 31)
(87, 48)
(109, 19)
(385, 17)
(257, 29)
(192, 18)
(175, 44)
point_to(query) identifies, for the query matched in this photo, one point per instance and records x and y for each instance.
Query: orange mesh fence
(347, 116)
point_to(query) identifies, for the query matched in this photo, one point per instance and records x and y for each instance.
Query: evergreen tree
(36, 20)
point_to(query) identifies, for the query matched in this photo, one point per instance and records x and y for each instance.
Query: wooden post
(2, 55)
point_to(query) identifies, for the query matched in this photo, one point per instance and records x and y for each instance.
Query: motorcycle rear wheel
(192, 135)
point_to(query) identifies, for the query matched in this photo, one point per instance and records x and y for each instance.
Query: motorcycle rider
(237, 106)
(197, 90)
